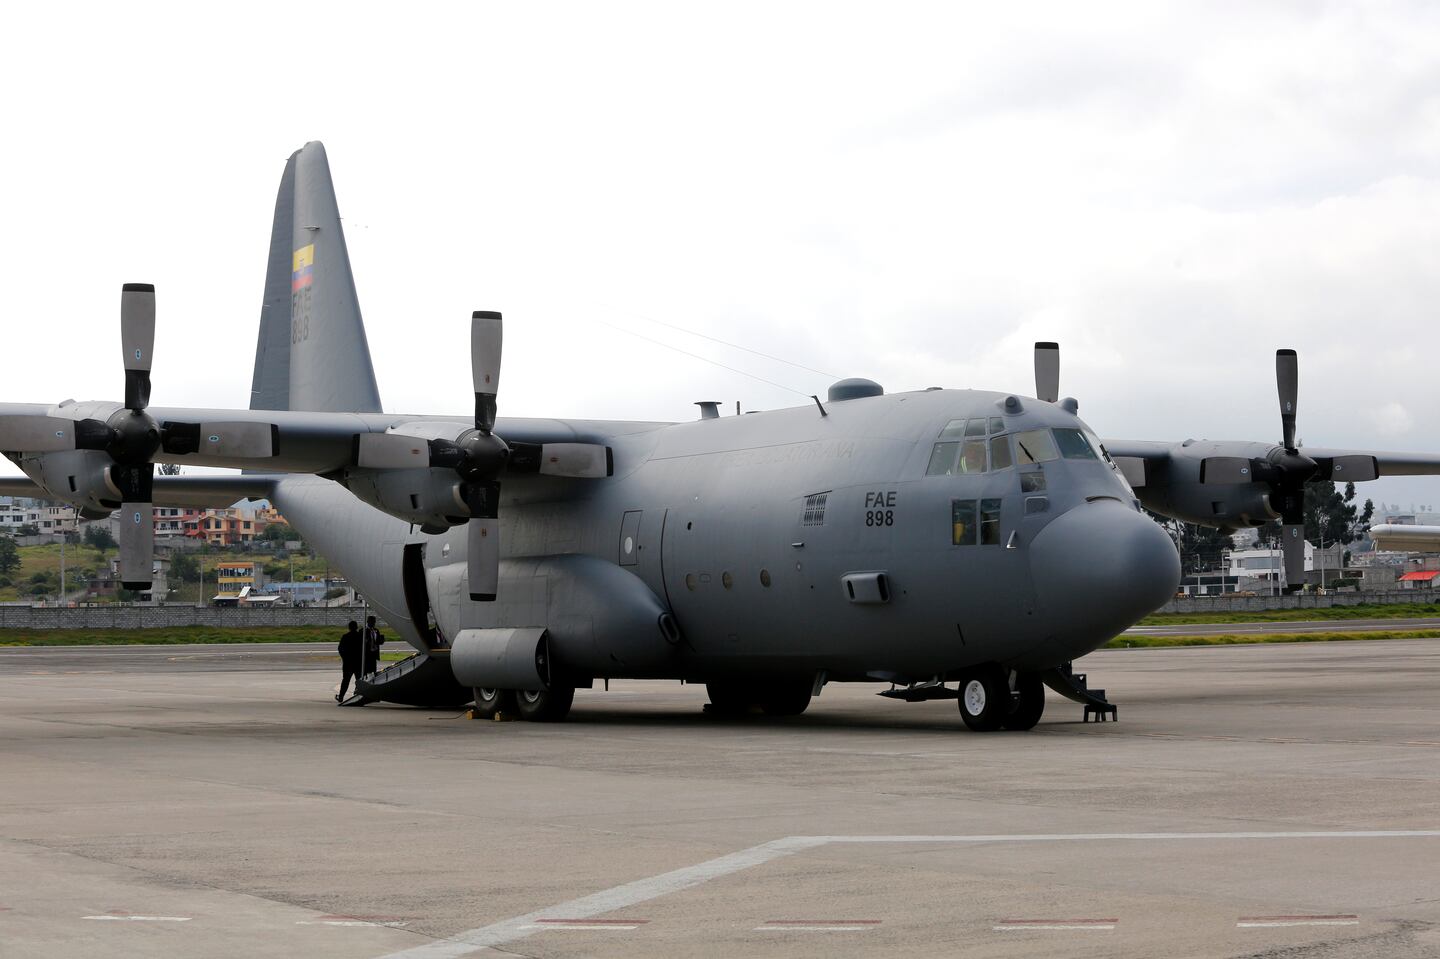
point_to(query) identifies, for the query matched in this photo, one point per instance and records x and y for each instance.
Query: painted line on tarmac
(817, 925)
(389, 922)
(1055, 925)
(609, 900)
(589, 925)
(141, 918)
(1276, 922)
(644, 890)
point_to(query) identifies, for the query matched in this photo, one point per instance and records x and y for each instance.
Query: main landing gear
(776, 697)
(536, 705)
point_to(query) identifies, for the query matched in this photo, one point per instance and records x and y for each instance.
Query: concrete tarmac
(1251, 801)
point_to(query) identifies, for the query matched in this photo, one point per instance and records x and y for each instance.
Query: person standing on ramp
(373, 641)
(351, 649)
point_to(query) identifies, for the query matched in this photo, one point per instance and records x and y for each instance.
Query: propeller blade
(239, 440)
(577, 460)
(390, 451)
(1287, 381)
(1047, 371)
(1222, 470)
(137, 545)
(483, 558)
(1294, 546)
(36, 434)
(486, 331)
(1350, 469)
(137, 337)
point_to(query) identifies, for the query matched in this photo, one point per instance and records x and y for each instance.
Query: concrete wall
(1238, 604)
(117, 616)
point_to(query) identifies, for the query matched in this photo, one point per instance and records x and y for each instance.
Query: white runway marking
(1276, 922)
(643, 890)
(1051, 925)
(141, 918)
(818, 925)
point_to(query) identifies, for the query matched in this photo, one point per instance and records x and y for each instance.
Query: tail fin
(311, 353)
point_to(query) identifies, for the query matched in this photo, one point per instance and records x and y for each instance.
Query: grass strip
(170, 636)
(1309, 614)
(1250, 639)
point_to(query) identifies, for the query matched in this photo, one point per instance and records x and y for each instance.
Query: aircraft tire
(545, 705)
(1029, 704)
(985, 698)
(490, 702)
(784, 698)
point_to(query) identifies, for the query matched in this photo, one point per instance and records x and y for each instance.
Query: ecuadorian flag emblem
(303, 269)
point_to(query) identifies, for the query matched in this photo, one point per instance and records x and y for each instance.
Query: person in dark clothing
(351, 647)
(373, 641)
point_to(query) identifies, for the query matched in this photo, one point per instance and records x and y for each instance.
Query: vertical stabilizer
(312, 353)
(270, 386)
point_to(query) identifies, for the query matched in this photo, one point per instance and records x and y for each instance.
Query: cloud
(1393, 419)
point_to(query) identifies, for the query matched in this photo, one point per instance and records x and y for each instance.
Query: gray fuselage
(790, 542)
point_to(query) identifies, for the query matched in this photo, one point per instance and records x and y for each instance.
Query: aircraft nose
(1098, 568)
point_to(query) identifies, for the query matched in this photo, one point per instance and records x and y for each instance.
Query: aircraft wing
(1147, 458)
(200, 492)
(1420, 539)
(1387, 464)
(277, 440)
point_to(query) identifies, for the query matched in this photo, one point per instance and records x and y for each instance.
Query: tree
(184, 568)
(1330, 515)
(29, 529)
(279, 533)
(99, 537)
(1201, 547)
(9, 555)
(168, 469)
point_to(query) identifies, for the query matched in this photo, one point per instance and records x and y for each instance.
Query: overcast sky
(913, 193)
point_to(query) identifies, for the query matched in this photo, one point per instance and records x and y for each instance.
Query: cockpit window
(997, 425)
(1095, 442)
(975, 427)
(953, 430)
(972, 457)
(942, 459)
(1035, 446)
(966, 522)
(950, 457)
(1000, 458)
(962, 522)
(1073, 445)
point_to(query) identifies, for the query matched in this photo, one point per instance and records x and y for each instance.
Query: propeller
(1047, 372)
(131, 437)
(1285, 470)
(479, 457)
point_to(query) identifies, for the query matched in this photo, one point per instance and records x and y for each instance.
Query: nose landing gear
(992, 697)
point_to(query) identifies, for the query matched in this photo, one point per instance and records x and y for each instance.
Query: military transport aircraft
(920, 539)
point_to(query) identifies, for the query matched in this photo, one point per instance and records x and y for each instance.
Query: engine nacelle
(1176, 488)
(1228, 508)
(80, 478)
(428, 497)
